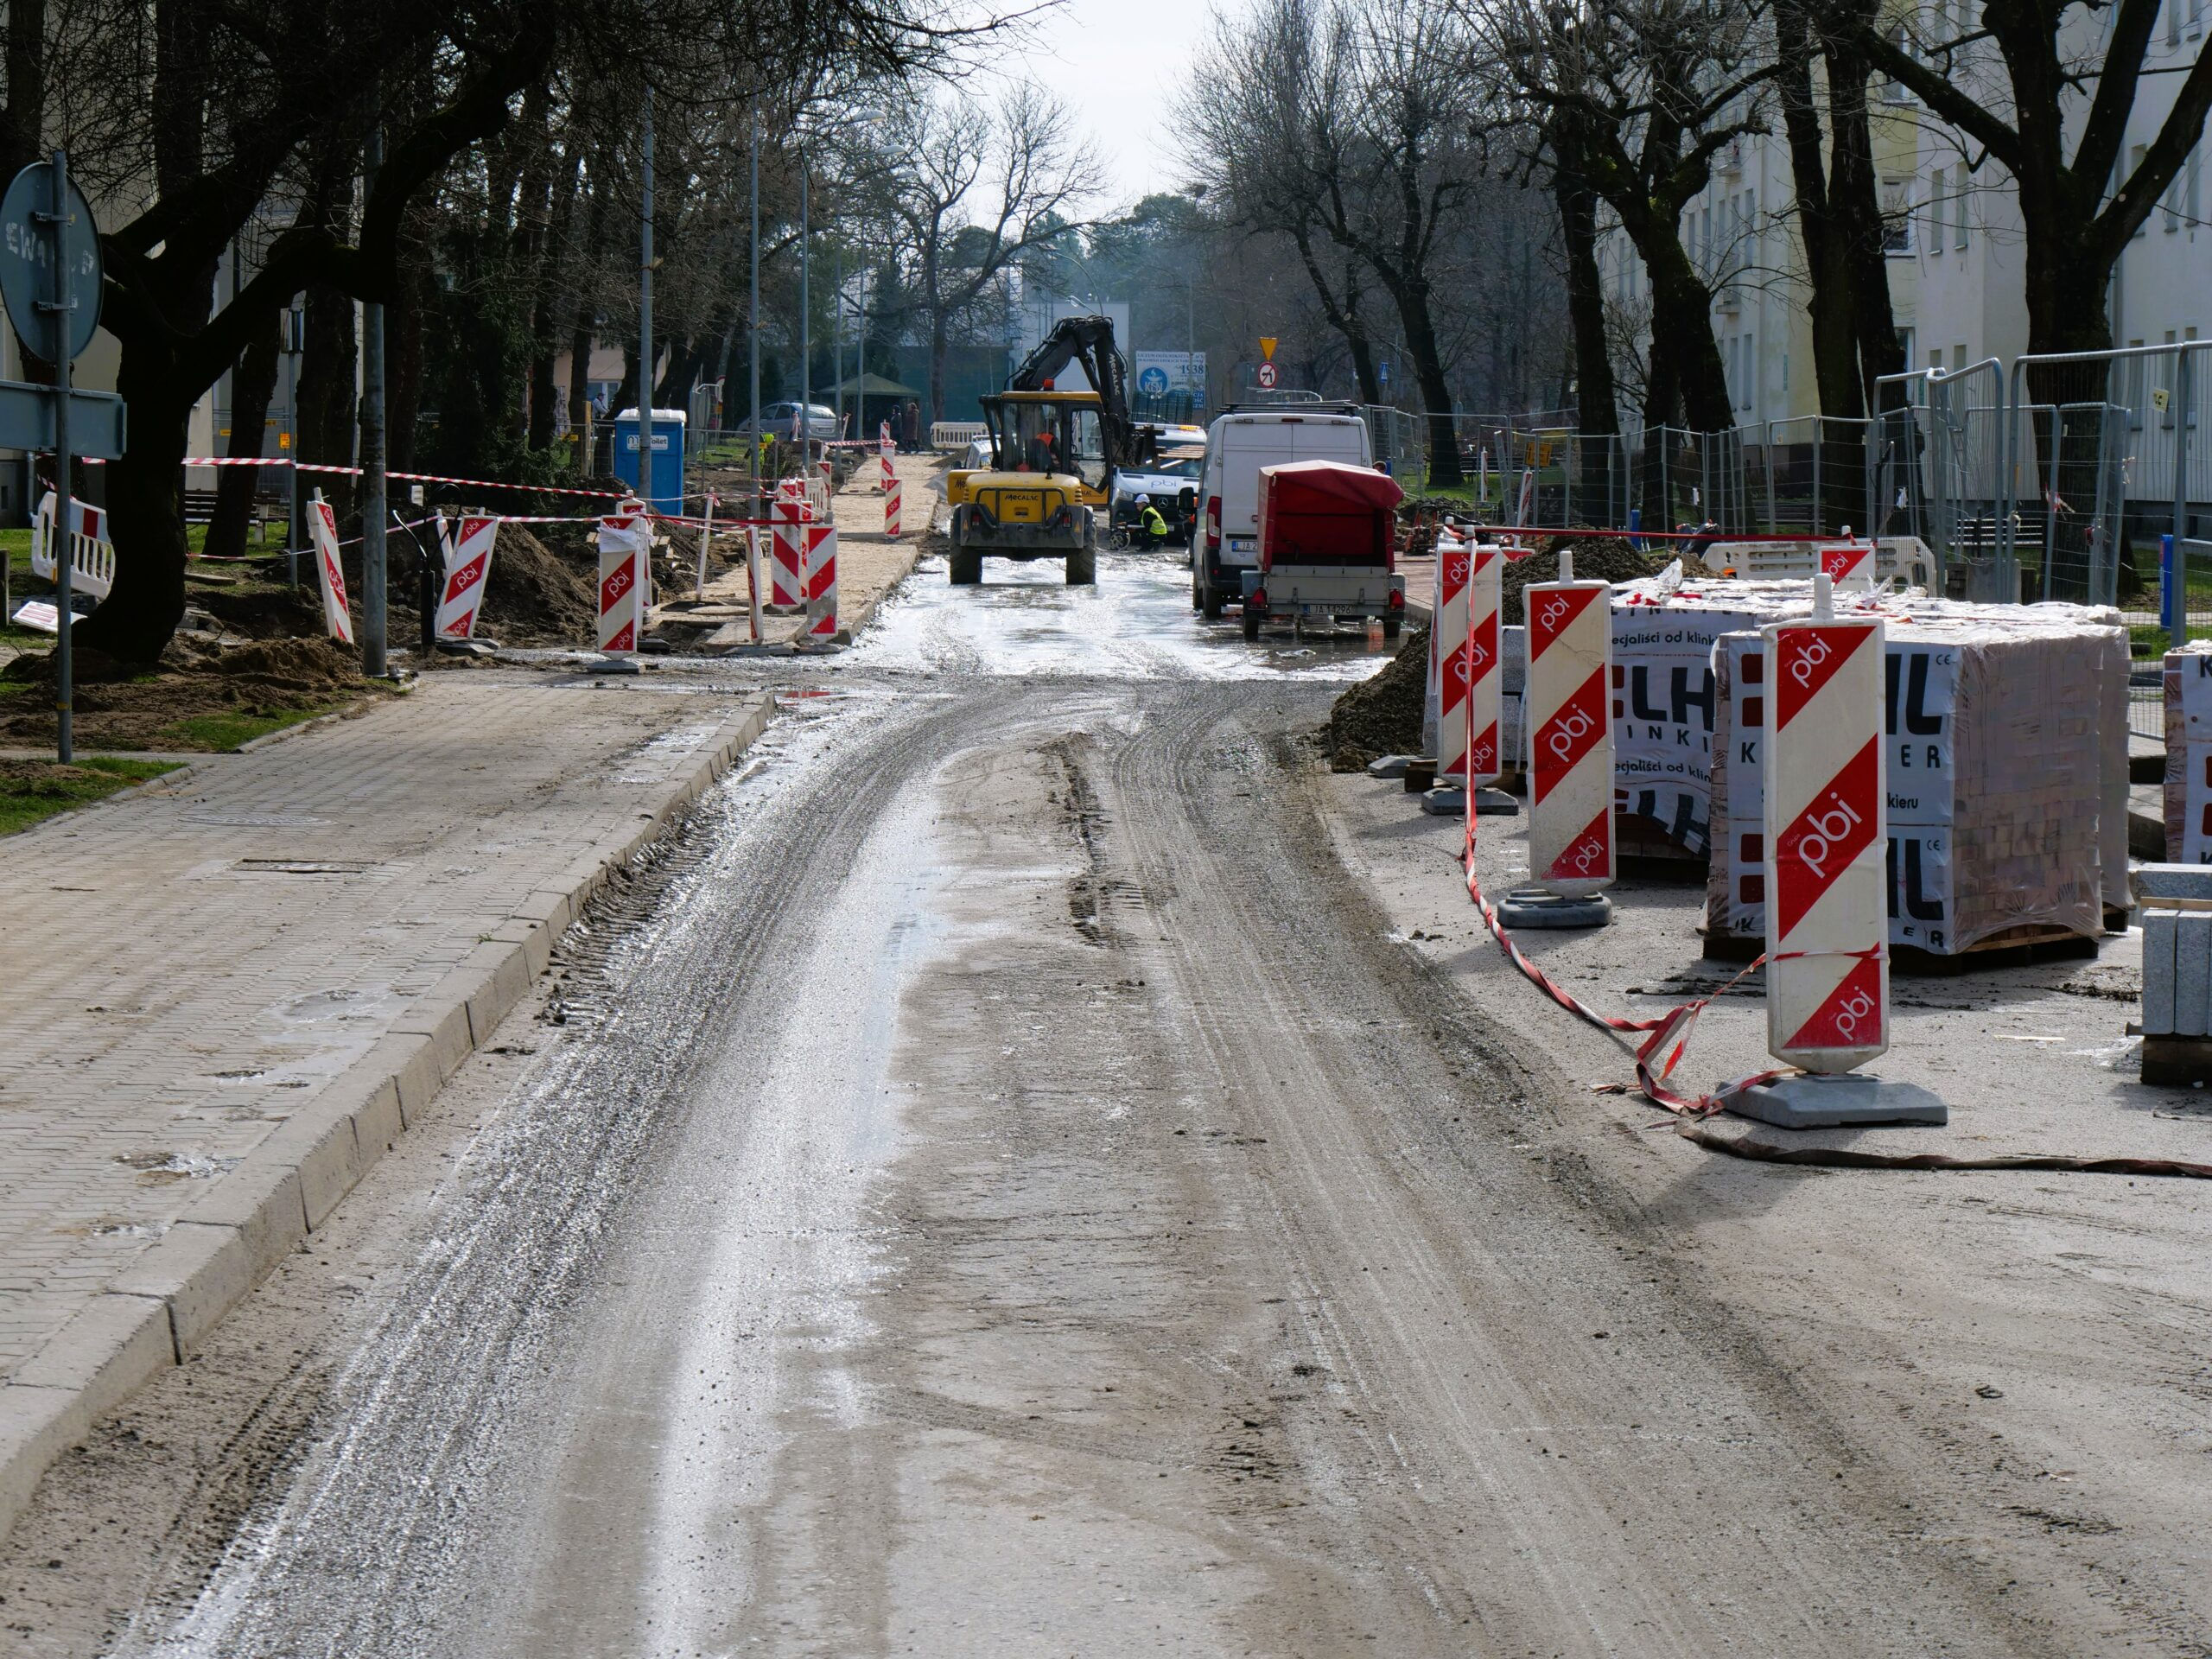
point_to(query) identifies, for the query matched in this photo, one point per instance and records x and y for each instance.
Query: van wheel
(1209, 601)
(1251, 623)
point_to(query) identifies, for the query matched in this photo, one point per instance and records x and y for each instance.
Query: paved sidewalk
(226, 991)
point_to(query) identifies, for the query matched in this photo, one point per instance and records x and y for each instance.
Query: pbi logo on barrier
(617, 582)
(1571, 733)
(1810, 657)
(1588, 856)
(1554, 612)
(1851, 1015)
(1822, 841)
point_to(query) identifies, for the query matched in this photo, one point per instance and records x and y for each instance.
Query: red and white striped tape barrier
(322, 525)
(466, 551)
(1827, 847)
(1569, 701)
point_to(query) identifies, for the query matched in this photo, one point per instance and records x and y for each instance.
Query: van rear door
(1247, 447)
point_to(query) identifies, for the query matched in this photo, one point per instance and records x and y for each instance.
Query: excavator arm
(1089, 340)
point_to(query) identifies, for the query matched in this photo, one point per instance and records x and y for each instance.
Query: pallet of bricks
(2176, 896)
(2006, 762)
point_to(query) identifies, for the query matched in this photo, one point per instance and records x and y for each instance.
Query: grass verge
(226, 733)
(34, 789)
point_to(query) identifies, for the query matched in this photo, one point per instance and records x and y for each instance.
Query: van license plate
(1240, 543)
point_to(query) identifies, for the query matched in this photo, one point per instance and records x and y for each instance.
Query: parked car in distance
(1225, 552)
(821, 421)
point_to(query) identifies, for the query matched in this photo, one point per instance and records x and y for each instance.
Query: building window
(1959, 212)
(1894, 92)
(1896, 216)
(1935, 359)
(1958, 358)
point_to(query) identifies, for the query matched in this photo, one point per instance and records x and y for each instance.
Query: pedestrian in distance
(913, 445)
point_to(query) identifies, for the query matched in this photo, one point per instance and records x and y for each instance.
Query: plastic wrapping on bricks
(322, 526)
(625, 582)
(1570, 737)
(466, 546)
(1826, 849)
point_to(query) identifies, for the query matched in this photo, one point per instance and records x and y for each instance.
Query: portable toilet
(666, 493)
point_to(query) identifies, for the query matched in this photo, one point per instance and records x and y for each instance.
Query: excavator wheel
(966, 563)
(1083, 562)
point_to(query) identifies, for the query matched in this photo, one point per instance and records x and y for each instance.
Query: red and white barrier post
(467, 550)
(1828, 846)
(891, 494)
(821, 581)
(322, 526)
(625, 539)
(1485, 702)
(1827, 886)
(1453, 561)
(890, 477)
(1849, 563)
(1569, 701)
(787, 555)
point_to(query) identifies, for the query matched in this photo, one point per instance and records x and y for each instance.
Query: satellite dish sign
(27, 264)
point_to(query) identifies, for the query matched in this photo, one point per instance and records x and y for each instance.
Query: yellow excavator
(1053, 454)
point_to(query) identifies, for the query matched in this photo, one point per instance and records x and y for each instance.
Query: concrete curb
(159, 1312)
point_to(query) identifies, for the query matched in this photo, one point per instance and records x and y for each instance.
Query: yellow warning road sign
(1268, 347)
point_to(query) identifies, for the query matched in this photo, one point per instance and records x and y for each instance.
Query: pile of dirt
(1380, 715)
(123, 706)
(535, 596)
(267, 612)
(1607, 558)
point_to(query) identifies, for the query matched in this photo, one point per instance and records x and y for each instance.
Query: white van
(1225, 554)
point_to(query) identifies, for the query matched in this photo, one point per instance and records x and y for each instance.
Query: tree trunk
(253, 384)
(1444, 469)
(1596, 398)
(145, 516)
(326, 394)
(1682, 316)
(1855, 209)
(402, 322)
(1831, 301)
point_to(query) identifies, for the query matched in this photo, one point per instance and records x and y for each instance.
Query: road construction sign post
(1266, 374)
(1570, 736)
(50, 280)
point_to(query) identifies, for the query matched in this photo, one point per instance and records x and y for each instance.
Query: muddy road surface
(991, 1185)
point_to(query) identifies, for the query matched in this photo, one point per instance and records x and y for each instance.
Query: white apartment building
(1955, 245)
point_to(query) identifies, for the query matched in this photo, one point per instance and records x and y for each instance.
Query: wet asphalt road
(997, 1190)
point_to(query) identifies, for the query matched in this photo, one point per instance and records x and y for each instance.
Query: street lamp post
(753, 319)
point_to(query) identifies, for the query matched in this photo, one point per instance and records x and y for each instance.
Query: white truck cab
(1225, 553)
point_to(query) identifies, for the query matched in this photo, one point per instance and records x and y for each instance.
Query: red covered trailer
(1328, 541)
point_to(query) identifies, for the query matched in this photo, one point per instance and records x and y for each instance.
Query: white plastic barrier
(1448, 652)
(322, 526)
(955, 435)
(91, 556)
(626, 540)
(1485, 674)
(1827, 862)
(1906, 560)
(787, 555)
(1570, 734)
(467, 549)
(821, 581)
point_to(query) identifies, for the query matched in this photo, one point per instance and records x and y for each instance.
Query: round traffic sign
(26, 262)
(1267, 377)
(1153, 380)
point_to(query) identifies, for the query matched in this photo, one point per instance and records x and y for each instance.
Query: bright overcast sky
(1118, 64)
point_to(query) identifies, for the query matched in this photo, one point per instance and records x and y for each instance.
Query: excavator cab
(1053, 454)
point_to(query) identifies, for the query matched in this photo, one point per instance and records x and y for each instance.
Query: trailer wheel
(1391, 625)
(1252, 619)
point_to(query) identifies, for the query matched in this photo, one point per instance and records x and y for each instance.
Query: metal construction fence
(2083, 476)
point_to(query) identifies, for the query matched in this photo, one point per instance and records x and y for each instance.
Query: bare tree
(971, 187)
(2045, 88)
(1650, 91)
(1350, 123)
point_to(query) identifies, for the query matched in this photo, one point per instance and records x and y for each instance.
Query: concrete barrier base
(1813, 1102)
(1534, 907)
